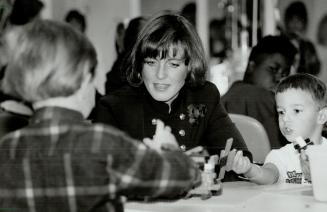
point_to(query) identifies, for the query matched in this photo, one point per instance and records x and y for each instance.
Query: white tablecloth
(242, 196)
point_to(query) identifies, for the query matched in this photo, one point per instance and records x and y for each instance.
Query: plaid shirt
(62, 163)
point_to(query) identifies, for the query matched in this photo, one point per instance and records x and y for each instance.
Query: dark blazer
(257, 102)
(196, 117)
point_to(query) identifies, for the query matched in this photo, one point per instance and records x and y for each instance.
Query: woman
(166, 73)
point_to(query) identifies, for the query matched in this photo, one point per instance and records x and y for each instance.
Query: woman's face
(164, 77)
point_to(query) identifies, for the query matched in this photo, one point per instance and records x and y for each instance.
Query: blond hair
(46, 59)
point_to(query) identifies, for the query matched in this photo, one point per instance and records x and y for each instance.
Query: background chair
(254, 135)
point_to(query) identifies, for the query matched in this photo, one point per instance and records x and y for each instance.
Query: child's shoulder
(286, 148)
(284, 151)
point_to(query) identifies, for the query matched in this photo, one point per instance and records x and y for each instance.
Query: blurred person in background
(77, 20)
(322, 47)
(24, 11)
(220, 68)
(269, 61)
(188, 11)
(296, 22)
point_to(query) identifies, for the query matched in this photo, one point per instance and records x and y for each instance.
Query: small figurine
(301, 145)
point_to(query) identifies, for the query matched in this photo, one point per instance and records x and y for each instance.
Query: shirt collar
(56, 114)
(162, 107)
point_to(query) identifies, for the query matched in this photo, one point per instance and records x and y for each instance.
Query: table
(242, 196)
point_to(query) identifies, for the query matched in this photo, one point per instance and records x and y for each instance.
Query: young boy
(302, 112)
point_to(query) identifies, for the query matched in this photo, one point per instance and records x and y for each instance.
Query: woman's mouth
(160, 87)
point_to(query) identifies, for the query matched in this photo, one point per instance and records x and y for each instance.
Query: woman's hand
(241, 164)
(163, 139)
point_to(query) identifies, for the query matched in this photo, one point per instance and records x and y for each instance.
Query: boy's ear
(322, 117)
(87, 76)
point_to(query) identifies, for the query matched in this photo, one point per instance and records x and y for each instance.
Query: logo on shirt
(294, 177)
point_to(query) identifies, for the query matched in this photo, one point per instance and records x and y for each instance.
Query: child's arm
(266, 174)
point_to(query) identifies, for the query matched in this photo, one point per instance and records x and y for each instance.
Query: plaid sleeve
(139, 171)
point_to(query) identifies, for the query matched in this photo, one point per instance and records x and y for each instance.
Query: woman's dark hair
(164, 32)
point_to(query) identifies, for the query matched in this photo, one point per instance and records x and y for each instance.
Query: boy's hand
(163, 139)
(305, 166)
(241, 164)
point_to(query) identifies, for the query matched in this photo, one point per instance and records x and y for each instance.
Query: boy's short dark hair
(305, 82)
(269, 45)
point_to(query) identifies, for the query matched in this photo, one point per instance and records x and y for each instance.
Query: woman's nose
(161, 71)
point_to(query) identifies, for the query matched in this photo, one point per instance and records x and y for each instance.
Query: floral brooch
(195, 112)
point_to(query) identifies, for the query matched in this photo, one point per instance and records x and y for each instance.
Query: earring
(138, 80)
(139, 77)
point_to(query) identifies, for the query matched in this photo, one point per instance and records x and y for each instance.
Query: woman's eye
(149, 62)
(174, 65)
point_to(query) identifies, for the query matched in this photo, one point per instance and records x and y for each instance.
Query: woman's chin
(160, 98)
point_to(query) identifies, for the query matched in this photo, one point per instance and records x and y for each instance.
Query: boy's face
(298, 115)
(270, 70)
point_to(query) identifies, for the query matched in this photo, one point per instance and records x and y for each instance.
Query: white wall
(102, 17)
(150, 7)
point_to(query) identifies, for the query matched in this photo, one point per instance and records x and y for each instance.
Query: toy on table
(211, 185)
(301, 145)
